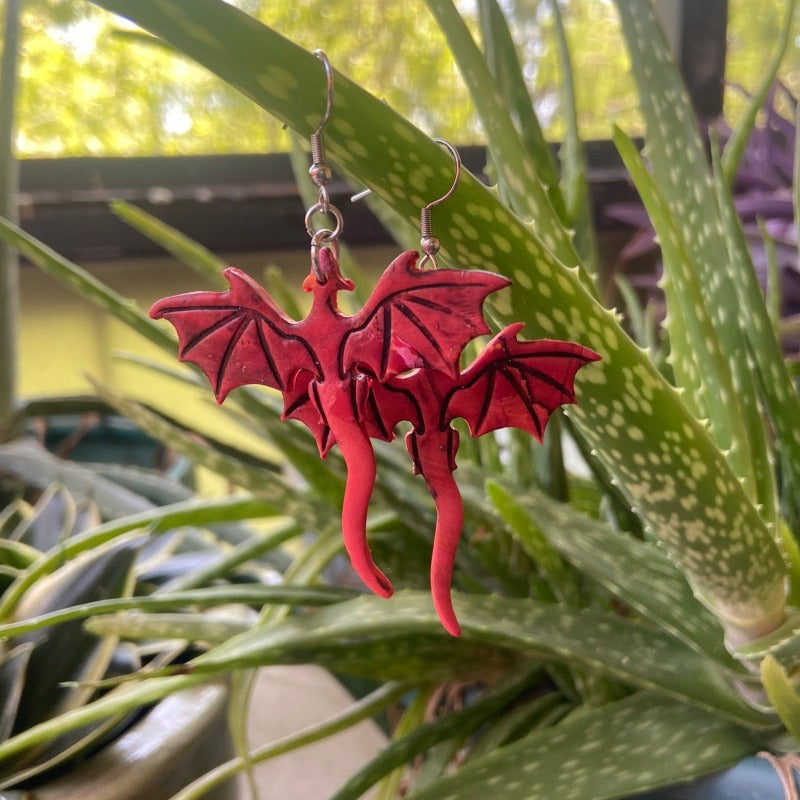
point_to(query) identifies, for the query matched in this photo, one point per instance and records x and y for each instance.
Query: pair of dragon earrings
(350, 379)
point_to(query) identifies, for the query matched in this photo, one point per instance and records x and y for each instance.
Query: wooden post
(9, 261)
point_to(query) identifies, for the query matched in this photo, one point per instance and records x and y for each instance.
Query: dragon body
(353, 378)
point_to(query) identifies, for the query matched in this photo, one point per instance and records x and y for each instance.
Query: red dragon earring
(350, 379)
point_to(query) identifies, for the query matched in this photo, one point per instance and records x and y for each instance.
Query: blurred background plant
(608, 605)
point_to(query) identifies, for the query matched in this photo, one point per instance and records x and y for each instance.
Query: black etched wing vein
(522, 390)
(206, 332)
(433, 305)
(543, 376)
(268, 356)
(386, 343)
(228, 354)
(376, 414)
(487, 399)
(412, 317)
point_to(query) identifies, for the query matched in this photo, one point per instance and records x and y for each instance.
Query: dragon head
(329, 278)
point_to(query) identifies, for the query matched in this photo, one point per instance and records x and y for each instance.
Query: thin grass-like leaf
(737, 144)
(503, 63)
(186, 250)
(572, 155)
(255, 595)
(285, 499)
(369, 706)
(156, 520)
(85, 285)
(457, 724)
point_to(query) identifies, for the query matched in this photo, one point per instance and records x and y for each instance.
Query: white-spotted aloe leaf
(635, 744)
(662, 459)
(402, 639)
(637, 572)
(517, 173)
(764, 356)
(503, 63)
(701, 367)
(682, 175)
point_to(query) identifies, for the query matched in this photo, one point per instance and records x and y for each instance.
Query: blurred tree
(90, 85)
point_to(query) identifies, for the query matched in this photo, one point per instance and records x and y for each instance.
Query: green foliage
(591, 650)
(63, 564)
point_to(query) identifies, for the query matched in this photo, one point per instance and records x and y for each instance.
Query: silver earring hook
(321, 175)
(320, 54)
(429, 244)
(456, 177)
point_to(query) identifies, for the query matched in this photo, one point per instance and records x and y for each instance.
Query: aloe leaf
(540, 712)
(572, 155)
(737, 143)
(696, 210)
(635, 571)
(255, 595)
(369, 706)
(403, 638)
(456, 724)
(621, 749)
(702, 368)
(191, 627)
(156, 520)
(285, 499)
(184, 249)
(796, 174)
(659, 455)
(517, 174)
(765, 357)
(773, 287)
(67, 653)
(782, 694)
(503, 63)
(85, 285)
(565, 583)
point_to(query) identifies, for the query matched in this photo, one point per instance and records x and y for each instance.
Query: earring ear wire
(320, 173)
(429, 244)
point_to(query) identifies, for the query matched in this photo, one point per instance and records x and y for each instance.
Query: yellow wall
(63, 338)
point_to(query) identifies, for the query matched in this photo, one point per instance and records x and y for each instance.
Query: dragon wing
(418, 318)
(514, 384)
(237, 337)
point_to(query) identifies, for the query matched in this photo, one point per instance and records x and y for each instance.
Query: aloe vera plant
(635, 628)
